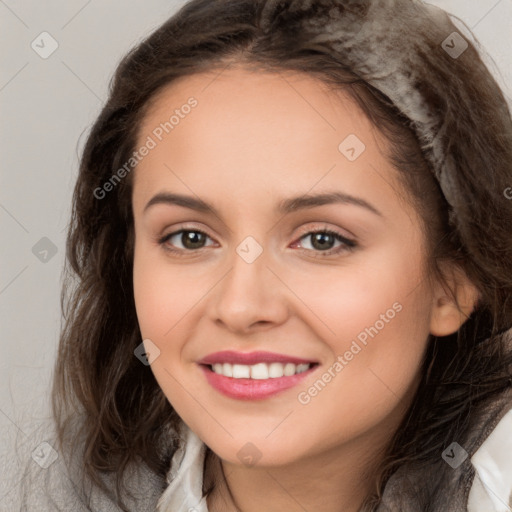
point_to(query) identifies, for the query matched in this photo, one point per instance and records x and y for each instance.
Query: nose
(250, 297)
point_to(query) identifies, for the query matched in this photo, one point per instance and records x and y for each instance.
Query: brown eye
(323, 242)
(189, 239)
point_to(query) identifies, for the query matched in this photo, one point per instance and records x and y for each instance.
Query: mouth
(255, 381)
(259, 371)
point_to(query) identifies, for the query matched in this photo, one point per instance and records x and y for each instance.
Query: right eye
(190, 239)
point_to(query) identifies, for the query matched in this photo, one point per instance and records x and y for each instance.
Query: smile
(254, 376)
(259, 371)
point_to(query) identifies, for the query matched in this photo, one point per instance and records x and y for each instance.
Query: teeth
(227, 370)
(289, 369)
(275, 370)
(259, 371)
(241, 371)
(303, 367)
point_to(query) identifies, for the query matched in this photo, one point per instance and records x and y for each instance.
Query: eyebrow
(288, 205)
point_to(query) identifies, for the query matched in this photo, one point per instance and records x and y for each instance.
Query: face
(322, 302)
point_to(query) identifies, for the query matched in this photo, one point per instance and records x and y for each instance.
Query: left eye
(323, 240)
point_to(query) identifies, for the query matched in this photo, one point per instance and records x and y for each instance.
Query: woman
(292, 238)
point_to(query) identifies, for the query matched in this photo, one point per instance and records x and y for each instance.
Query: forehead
(240, 85)
(250, 131)
(237, 96)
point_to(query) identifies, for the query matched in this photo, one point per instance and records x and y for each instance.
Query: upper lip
(250, 358)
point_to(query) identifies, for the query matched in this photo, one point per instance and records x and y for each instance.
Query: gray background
(47, 105)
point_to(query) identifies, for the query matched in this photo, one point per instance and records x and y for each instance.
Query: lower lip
(252, 389)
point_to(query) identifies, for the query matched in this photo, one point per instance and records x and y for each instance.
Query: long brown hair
(99, 383)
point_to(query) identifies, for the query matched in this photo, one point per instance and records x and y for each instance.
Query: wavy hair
(122, 412)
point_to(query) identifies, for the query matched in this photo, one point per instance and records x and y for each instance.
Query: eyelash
(348, 245)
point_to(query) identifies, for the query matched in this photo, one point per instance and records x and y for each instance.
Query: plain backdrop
(47, 107)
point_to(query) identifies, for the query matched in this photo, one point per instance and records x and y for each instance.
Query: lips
(254, 375)
(250, 358)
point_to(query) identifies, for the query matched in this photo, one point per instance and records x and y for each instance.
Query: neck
(336, 480)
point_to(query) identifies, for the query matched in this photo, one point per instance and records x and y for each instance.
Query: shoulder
(491, 454)
(492, 461)
(45, 480)
(485, 454)
(473, 473)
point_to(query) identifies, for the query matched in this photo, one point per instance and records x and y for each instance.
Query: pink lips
(230, 356)
(251, 389)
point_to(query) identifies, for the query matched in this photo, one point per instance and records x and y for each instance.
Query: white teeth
(241, 371)
(289, 369)
(227, 370)
(302, 367)
(275, 370)
(259, 371)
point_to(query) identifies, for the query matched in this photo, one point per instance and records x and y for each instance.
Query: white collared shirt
(491, 490)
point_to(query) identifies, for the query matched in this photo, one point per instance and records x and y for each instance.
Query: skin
(253, 140)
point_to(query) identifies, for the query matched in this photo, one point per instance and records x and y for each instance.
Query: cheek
(375, 322)
(161, 308)
(381, 290)
(161, 295)
(370, 382)
(167, 301)
(150, 303)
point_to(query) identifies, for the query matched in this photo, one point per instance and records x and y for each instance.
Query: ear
(453, 301)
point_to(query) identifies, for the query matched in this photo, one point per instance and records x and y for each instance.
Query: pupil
(323, 239)
(192, 239)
